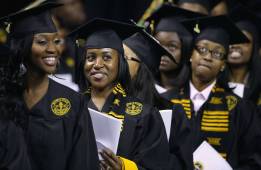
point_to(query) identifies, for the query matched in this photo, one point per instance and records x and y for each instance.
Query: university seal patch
(60, 106)
(198, 166)
(231, 102)
(133, 108)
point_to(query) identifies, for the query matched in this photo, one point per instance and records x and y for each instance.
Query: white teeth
(98, 75)
(235, 54)
(50, 60)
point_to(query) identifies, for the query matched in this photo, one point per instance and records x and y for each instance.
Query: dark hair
(22, 48)
(123, 76)
(143, 88)
(11, 91)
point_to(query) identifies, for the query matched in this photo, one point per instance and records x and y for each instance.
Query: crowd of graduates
(200, 59)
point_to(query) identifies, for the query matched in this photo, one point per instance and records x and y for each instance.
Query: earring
(222, 69)
(22, 69)
(190, 59)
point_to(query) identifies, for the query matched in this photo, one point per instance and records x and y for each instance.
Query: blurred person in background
(244, 62)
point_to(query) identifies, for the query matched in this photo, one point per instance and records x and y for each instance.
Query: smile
(50, 61)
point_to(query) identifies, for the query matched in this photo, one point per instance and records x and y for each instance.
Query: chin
(98, 85)
(50, 71)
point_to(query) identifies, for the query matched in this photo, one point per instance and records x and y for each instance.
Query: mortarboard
(104, 33)
(168, 17)
(219, 29)
(10, 6)
(148, 49)
(246, 19)
(32, 21)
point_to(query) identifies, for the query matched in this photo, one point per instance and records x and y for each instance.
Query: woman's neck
(36, 88)
(238, 74)
(167, 78)
(199, 84)
(99, 96)
(35, 81)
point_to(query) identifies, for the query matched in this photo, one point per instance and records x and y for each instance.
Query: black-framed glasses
(214, 53)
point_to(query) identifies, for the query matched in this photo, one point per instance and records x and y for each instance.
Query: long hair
(123, 76)
(143, 88)
(11, 91)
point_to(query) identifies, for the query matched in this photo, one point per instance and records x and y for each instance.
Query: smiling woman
(46, 52)
(101, 67)
(105, 79)
(56, 119)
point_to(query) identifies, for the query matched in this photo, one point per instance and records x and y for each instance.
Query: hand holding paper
(107, 130)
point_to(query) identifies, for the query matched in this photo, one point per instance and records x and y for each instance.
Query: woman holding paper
(145, 49)
(105, 79)
(217, 115)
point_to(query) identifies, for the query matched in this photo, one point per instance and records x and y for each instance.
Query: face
(171, 41)
(132, 60)
(240, 54)
(207, 60)
(194, 7)
(46, 52)
(101, 67)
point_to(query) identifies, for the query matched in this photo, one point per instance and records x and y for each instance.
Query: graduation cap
(10, 6)
(32, 21)
(247, 20)
(205, 3)
(219, 29)
(168, 17)
(148, 49)
(104, 33)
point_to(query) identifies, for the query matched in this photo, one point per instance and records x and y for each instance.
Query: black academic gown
(13, 151)
(228, 123)
(59, 133)
(143, 138)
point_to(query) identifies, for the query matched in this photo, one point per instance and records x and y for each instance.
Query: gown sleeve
(144, 140)
(84, 144)
(248, 125)
(180, 140)
(13, 151)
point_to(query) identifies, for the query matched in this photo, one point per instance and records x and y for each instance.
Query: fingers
(111, 154)
(111, 159)
(103, 165)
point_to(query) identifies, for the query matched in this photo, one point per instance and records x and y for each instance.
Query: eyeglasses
(214, 53)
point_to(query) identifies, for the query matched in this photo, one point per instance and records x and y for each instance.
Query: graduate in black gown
(143, 53)
(167, 29)
(243, 64)
(218, 116)
(105, 80)
(145, 49)
(13, 149)
(57, 124)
